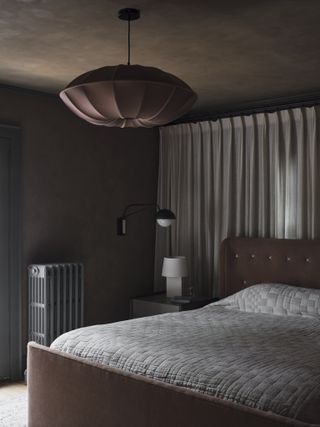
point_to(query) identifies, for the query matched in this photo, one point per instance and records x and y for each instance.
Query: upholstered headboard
(247, 261)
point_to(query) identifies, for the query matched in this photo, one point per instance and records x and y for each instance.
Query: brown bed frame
(66, 391)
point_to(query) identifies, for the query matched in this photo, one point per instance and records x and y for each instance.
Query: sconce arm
(143, 206)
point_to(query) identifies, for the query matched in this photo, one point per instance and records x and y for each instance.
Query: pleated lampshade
(128, 96)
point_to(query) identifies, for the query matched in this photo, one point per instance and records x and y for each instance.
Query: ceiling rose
(128, 95)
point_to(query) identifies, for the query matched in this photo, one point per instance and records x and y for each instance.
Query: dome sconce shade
(128, 95)
(164, 217)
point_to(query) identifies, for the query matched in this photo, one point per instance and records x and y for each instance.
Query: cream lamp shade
(174, 268)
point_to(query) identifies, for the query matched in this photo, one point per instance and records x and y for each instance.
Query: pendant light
(128, 95)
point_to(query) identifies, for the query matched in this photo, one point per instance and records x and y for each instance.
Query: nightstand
(159, 304)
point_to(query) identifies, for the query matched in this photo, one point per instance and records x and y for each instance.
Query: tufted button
(308, 260)
(236, 255)
(269, 257)
(288, 258)
(244, 282)
(252, 256)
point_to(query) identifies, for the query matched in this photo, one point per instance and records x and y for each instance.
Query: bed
(83, 382)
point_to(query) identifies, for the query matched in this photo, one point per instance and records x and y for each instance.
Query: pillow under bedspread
(276, 298)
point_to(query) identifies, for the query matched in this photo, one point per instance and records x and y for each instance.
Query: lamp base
(174, 286)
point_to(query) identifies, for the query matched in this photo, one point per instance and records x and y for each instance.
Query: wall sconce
(164, 217)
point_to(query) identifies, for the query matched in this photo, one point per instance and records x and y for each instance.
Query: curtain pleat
(252, 176)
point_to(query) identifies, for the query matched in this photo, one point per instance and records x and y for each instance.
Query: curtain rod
(266, 106)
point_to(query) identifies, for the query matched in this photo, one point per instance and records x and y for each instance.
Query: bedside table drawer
(140, 308)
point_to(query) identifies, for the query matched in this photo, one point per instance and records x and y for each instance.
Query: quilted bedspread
(260, 360)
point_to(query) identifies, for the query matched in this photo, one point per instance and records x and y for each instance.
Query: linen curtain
(252, 176)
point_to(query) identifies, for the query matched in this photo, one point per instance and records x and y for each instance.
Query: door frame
(13, 134)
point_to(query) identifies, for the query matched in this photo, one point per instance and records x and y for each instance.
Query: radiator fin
(55, 300)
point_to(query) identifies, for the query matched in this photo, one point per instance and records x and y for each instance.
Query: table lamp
(174, 269)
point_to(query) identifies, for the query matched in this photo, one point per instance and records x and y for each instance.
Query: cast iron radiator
(55, 300)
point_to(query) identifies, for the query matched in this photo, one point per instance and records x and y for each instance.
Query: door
(5, 324)
(10, 254)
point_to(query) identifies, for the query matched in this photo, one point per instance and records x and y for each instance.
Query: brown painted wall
(76, 180)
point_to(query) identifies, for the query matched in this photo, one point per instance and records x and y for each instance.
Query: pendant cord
(129, 47)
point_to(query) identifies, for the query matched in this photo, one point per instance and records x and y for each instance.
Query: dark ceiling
(231, 52)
